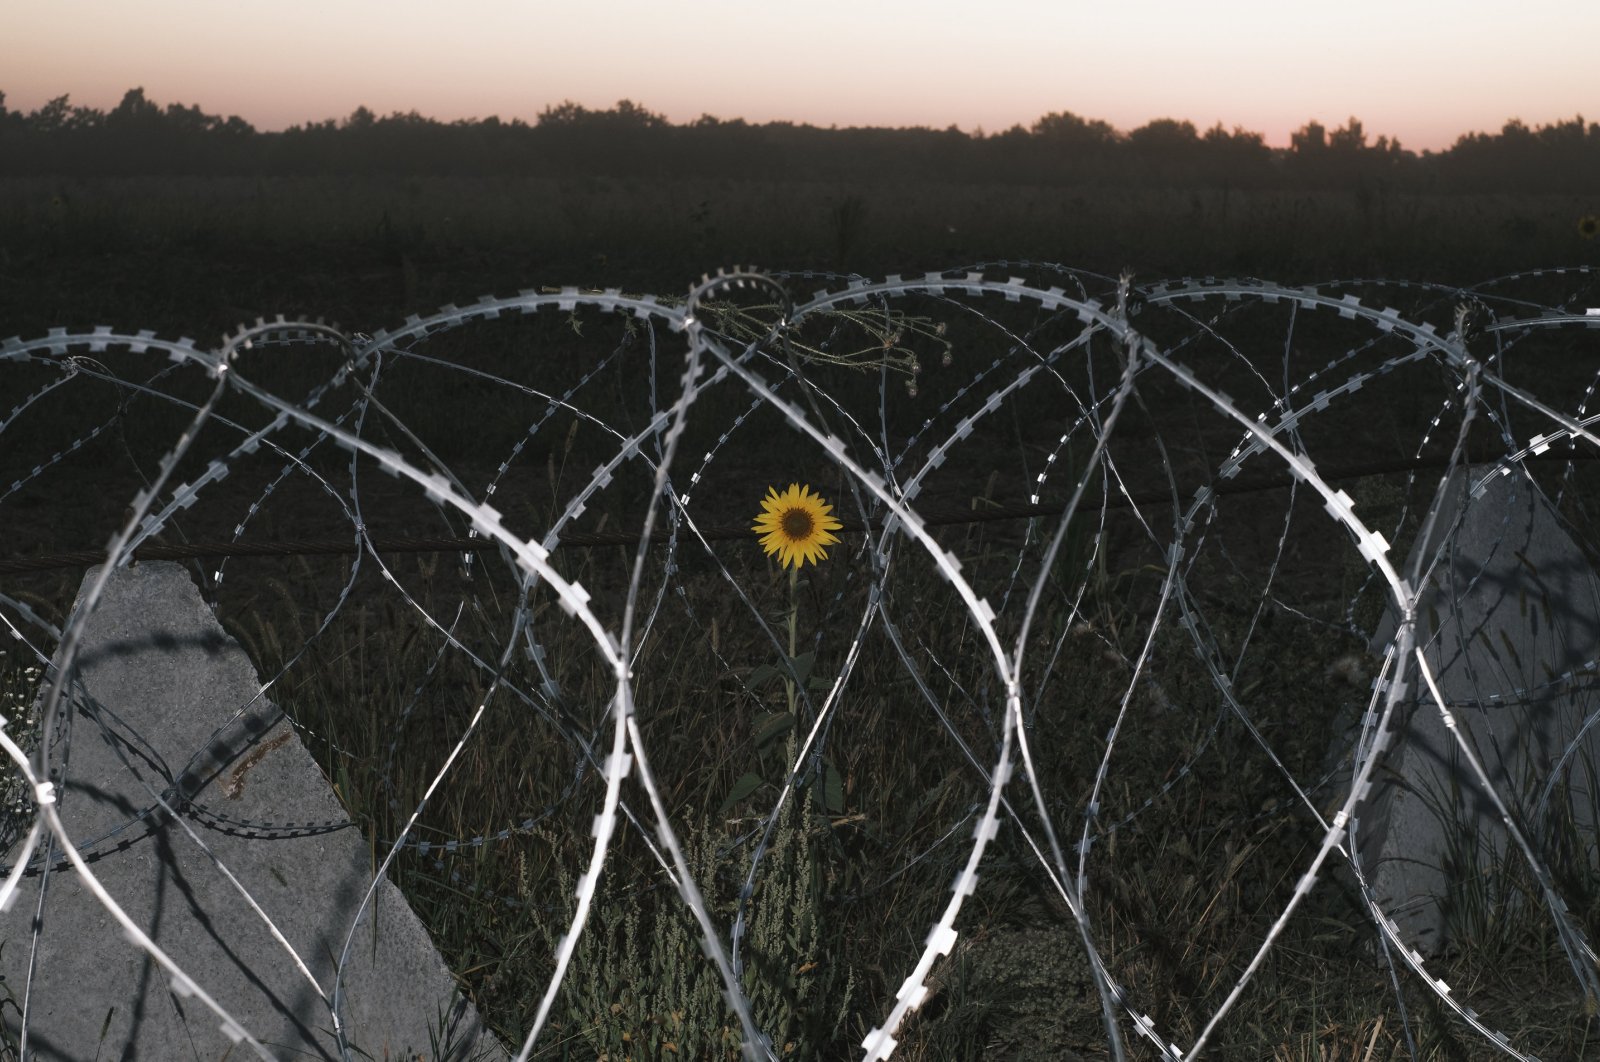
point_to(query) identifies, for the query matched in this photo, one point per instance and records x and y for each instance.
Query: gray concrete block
(1509, 620)
(167, 700)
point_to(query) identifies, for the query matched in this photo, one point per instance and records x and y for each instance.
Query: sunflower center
(797, 524)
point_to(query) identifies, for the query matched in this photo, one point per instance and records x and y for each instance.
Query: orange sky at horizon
(1265, 67)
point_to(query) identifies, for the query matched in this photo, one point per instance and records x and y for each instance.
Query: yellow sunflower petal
(795, 525)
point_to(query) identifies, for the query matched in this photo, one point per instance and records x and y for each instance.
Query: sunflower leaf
(748, 783)
(802, 666)
(763, 675)
(771, 725)
(832, 791)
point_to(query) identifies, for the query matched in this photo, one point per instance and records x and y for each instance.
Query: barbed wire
(935, 517)
(1091, 395)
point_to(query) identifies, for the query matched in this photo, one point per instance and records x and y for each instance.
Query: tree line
(139, 136)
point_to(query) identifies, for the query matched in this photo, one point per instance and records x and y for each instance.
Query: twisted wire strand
(1158, 333)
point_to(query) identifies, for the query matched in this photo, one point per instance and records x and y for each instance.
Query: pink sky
(1408, 70)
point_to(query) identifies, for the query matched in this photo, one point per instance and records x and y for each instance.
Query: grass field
(200, 256)
(1210, 840)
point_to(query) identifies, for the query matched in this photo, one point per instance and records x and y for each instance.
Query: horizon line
(978, 131)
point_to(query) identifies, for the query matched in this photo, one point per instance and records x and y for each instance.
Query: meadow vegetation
(196, 256)
(1208, 842)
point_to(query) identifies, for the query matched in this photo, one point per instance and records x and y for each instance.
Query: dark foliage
(1061, 148)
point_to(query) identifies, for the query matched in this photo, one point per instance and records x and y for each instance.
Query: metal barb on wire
(765, 365)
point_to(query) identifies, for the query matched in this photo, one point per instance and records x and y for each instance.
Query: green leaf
(802, 666)
(832, 790)
(770, 725)
(748, 783)
(764, 674)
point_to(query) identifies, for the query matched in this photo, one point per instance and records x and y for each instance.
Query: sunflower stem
(794, 613)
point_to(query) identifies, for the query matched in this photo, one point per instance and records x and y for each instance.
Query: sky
(1421, 71)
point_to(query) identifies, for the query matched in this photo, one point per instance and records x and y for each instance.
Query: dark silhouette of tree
(1342, 158)
(60, 116)
(1309, 141)
(1164, 151)
(134, 113)
(1239, 159)
(599, 141)
(1065, 129)
(1163, 135)
(1349, 138)
(1070, 145)
(1563, 156)
(136, 136)
(629, 140)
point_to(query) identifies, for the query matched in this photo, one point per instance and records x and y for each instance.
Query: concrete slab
(1509, 619)
(168, 701)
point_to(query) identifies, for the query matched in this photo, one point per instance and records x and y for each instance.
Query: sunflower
(1588, 226)
(795, 525)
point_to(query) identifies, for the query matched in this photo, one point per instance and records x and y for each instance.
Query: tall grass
(1180, 894)
(1199, 841)
(201, 255)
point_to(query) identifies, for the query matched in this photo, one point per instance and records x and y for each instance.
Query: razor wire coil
(1103, 350)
